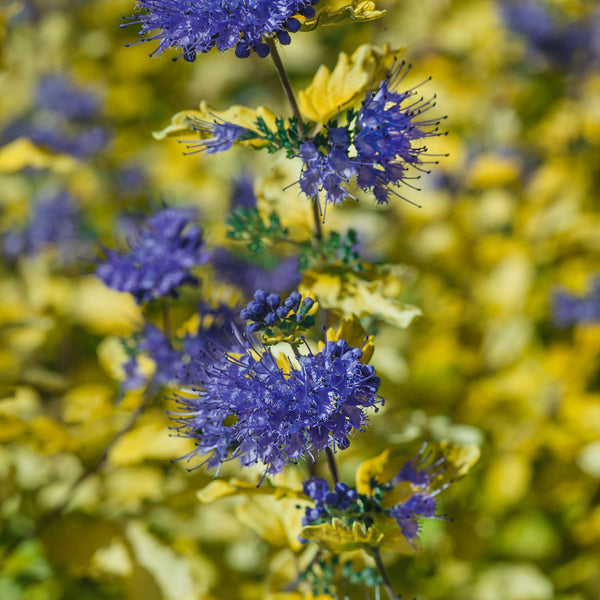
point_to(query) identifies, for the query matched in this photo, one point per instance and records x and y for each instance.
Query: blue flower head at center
(251, 408)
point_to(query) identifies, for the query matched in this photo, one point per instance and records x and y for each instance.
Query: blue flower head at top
(197, 26)
(160, 257)
(253, 407)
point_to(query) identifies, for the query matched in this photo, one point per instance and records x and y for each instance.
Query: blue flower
(329, 172)
(382, 145)
(56, 94)
(166, 247)
(563, 43)
(172, 356)
(408, 513)
(267, 310)
(55, 222)
(168, 361)
(347, 504)
(250, 408)
(570, 309)
(248, 276)
(65, 119)
(197, 26)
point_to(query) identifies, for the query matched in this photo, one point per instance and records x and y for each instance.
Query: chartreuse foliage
(314, 494)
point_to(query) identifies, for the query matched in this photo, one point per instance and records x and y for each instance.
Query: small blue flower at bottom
(346, 503)
(250, 408)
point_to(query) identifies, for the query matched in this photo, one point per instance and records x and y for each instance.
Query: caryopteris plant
(284, 386)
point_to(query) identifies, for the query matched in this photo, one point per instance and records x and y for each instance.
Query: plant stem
(387, 584)
(332, 465)
(286, 84)
(166, 317)
(317, 217)
(289, 94)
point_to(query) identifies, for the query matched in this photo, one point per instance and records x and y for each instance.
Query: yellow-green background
(484, 365)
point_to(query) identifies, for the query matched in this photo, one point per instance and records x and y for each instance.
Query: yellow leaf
(23, 153)
(149, 439)
(277, 521)
(220, 489)
(383, 468)
(352, 331)
(112, 356)
(331, 91)
(396, 541)
(459, 460)
(340, 12)
(87, 402)
(364, 294)
(183, 122)
(493, 170)
(104, 310)
(337, 536)
(129, 487)
(50, 436)
(171, 572)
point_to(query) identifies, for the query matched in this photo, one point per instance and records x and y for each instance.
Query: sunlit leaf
(277, 521)
(381, 468)
(364, 294)
(331, 91)
(22, 153)
(459, 460)
(351, 330)
(337, 536)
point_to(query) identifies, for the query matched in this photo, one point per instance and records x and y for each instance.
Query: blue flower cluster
(172, 357)
(562, 42)
(55, 222)
(346, 503)
(157, 345)
(197, 26)
(249, 276)
(65, 119)
(330, 502)
(267, 310)
(59, 95)
(166, 247)
(380, 146)
(571, 309)
(250, 408)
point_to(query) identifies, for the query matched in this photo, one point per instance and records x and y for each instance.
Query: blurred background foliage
(509, 218)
